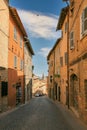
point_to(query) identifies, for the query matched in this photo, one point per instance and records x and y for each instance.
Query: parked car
(37, 95)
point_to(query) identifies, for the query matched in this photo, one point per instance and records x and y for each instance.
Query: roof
(62, 18)
(17, 19)
(57, 41)
(27, 42)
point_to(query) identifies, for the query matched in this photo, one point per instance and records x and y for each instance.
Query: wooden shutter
(71, 40)
(4, 88)
(85, 19)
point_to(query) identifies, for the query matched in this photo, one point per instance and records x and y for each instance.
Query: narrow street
(40, 114)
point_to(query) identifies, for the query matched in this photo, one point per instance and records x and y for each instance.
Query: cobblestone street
(40, 114)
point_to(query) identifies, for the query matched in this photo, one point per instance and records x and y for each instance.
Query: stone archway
(74, 91)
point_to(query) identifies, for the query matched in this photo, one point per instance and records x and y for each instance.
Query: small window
(61, 61)
(66, 27)
(51, 63)
(84, 22)
(65, 55)
(21, 42)
(51, 78)
(15, 33)
(15, 61)
(4, 89)
(21, 65)
(72, 40)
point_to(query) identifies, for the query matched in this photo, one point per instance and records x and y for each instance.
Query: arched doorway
(74, 91)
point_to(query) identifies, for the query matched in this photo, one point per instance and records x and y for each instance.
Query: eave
(17, 19)
(57, 41)
(29, 46)
(62, 18)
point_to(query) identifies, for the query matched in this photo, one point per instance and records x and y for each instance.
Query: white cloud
(40, 25)
(44, 51)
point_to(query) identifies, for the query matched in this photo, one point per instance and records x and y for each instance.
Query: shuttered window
(4, 88)
(84, 22)
(72, 40)
(66, 27)
(51, 78)
(15, 33)
(21, 64)
(61, 61)
(65, 55)
(15, 61)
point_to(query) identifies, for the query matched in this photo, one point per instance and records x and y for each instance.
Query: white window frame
(15, 61)
(71, 40)
(21, 64)
(15, 33)
(83, 20)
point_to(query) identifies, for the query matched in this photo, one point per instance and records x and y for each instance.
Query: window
(4, 89)
(51, 63)
(61, 61)
(65, 55)
(72, 40)
(51, 78)
(66, 27)
(21, 65)
(84, 22)
(21, 42)
(15, 61)
(15, 33)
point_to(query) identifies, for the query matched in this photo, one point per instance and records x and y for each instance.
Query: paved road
(39, 114)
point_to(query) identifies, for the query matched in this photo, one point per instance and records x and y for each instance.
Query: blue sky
(40, 18)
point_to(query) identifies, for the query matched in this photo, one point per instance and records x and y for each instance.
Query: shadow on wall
(11, 88)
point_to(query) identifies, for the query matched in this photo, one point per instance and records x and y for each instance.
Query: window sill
(72, 48)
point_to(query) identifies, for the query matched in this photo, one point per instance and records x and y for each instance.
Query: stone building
(58, 57)
(53, 60)
(63, 26)
(28, 69)
(78, 57)
(51, 72)
(16, 90)
(4, 37)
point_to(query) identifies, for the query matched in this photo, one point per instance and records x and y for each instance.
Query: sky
(40, 18)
